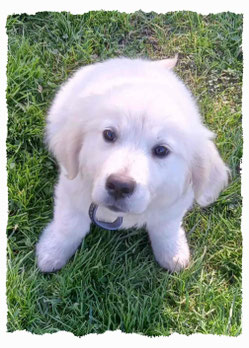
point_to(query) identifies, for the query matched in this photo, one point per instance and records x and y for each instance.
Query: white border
(117, 338)
(77, 7)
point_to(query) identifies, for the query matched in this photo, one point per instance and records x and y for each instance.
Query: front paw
(172, 254)
(50, 252)
(176, 263)
(49, 259)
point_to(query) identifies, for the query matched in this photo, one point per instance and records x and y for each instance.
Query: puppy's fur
(145, 105)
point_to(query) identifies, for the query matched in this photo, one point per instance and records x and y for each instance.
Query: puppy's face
(133, 129)
(134, 151)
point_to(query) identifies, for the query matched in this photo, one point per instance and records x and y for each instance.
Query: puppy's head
(140, 142)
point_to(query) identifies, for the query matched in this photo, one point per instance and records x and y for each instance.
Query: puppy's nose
(120, 186)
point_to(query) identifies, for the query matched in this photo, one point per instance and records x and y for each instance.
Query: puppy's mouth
(106, 225)
(116, 209)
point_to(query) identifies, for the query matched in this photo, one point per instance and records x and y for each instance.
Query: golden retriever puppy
(131, 146)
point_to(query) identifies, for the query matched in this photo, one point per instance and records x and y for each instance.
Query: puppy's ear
(65, 144)
(209, 174)
(168, 63)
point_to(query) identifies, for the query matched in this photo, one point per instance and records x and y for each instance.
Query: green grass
(113, 281)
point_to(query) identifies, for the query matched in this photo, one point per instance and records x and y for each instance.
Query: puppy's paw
(179, 262)
(50, 251)
(174, 264)
(174, 255)
(49, 259)
(49, 262)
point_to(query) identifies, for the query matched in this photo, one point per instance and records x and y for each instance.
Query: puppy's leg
(61, 237)
(170, 245)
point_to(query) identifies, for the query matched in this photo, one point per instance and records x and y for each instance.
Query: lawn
(113, 281)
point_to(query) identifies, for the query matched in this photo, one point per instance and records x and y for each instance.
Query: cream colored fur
(147, 105)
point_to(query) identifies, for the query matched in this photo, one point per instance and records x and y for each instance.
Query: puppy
(128, 138)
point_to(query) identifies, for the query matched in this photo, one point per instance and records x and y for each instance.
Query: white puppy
(128, 137)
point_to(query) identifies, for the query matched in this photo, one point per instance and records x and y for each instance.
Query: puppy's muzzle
(120, 186)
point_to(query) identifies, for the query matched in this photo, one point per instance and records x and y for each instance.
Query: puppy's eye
(160, 151)
(109, 135)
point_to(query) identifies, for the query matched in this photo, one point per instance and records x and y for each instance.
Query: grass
(113, 281)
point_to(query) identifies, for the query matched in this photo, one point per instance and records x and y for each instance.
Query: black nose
(120, 186)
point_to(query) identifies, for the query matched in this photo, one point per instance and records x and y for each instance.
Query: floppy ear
(209, 174)
(65, 144)
(168, 63)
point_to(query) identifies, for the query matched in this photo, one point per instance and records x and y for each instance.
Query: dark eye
(109, 135)
(160, 151)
